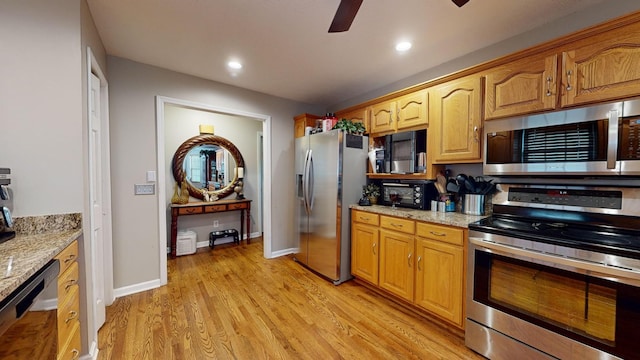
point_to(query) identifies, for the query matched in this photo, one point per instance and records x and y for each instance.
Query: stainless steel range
(554, 273)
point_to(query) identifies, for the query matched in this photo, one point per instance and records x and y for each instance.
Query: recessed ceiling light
(234, 65)
(403, 46)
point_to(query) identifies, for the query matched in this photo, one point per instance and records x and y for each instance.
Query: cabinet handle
(409, 259)
(72, 315)
(549, 85)
(419, 259)
(475, 134)
(396, 225)
(373, 248)
(437, 233)
(70, 283)
(364, 218)
(569, 72)
(71, 257)
(76, 354)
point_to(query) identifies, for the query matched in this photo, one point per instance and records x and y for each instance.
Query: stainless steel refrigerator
(330, 172)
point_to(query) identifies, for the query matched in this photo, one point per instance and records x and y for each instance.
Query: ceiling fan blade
(347, 11)
(460, 2)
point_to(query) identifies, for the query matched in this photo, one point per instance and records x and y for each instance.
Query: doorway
(165, 178)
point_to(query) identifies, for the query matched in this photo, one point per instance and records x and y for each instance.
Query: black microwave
(596, 140)
(414, 194)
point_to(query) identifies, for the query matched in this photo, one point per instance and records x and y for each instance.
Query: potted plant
(350, 127)
(372, 192)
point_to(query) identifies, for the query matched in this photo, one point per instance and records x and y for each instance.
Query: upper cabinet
(523, 86)
(383, 117)
(602, 67)
(413, 110)
(301, 121)
(456, 127)
(360, 115)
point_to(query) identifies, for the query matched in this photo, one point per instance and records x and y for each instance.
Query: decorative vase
(373, 200)
(175, 199)
(184, 193)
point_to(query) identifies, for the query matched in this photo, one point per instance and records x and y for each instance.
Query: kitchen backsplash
(29, 225)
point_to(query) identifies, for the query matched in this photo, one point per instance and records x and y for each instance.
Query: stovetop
(597, 238)
(603, 220)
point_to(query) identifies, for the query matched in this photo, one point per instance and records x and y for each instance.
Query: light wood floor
(231, 303)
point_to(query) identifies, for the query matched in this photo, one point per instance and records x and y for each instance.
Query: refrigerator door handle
(305, 182)
(310, 182)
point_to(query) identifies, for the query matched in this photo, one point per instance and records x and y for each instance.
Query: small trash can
(186, 242)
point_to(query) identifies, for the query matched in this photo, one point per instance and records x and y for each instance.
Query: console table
(196, 208)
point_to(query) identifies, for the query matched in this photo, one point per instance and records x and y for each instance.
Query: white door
(96, 200)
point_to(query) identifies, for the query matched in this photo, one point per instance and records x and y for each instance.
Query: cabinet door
(301, 121)
(457, 132)
(523, 86)
(602, 67)
(396, 263)
(364, 252)
(439, 279)
(358, 115)
(412, 110)
(383, 117)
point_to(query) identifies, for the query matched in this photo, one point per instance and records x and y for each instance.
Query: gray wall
(133, 88)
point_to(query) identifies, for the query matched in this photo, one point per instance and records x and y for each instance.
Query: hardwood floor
(231, 303)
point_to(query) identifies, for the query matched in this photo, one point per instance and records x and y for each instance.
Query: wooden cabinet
(524, 86)
(602, 67)
(364, 246)
(302, 121)
(383, 117)
(413, 110)
(419, 262)
(440, 271)
(456, 126)
(69, 342)
(396, 256)
(358, 115)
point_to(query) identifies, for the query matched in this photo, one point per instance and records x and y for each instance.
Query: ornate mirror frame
(177, 163)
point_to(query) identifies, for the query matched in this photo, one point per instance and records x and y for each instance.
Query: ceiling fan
(348, 9)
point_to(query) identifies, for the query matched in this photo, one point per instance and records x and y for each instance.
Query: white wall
(41, 105)
(133, 88)
(181, 124)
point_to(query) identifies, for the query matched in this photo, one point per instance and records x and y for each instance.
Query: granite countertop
(38, 240)
(444, 218)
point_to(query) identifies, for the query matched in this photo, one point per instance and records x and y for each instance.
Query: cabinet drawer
(190, 210)
(397, 224)
(441, 233)
(214, 208)
(68, 315)
(72, 346)
(365, 217)
(237, 206)
(68, 256)
(66, 281)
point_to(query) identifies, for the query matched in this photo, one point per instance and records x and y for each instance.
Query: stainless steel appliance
(414, 194)
(596, 140)
(330, 172)
(402, 152)
(554, 273)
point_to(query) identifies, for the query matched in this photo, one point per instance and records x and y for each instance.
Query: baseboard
(93, 352)
(284, 252)
(136, 288)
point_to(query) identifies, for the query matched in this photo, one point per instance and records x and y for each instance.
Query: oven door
(531, 304)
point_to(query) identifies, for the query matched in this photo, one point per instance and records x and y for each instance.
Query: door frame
(161, 102)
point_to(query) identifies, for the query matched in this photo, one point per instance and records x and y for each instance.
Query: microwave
(414, 194)
(404, 152)
(592, 141)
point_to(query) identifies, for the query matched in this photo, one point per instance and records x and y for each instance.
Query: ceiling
(287, 51)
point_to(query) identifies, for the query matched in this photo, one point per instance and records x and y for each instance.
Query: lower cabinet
(69, 342)
(421, 263)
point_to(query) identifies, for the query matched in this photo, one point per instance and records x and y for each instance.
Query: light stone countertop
(31, 250)
(443, 218)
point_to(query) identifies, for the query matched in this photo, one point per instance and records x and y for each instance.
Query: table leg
(241, 225)
(174, 233)
(248, 223)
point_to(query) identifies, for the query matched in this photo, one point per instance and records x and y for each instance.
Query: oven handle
(506, 250)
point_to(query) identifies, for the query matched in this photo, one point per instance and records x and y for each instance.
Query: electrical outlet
(145, 189)
(216, 223)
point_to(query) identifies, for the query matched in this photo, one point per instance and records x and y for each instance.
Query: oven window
(601, 313)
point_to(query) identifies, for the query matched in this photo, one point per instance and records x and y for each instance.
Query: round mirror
(207, 162)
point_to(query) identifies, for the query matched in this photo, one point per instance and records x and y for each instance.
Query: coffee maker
(6, 227)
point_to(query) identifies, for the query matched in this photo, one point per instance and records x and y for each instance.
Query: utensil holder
(473, 204)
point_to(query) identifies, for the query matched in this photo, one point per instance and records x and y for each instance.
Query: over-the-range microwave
(597, 140)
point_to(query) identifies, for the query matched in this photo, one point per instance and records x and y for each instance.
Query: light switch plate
(145, 189)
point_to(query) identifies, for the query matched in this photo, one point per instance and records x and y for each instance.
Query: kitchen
(130, 99)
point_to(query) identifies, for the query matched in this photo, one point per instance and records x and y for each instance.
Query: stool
(215, 235)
